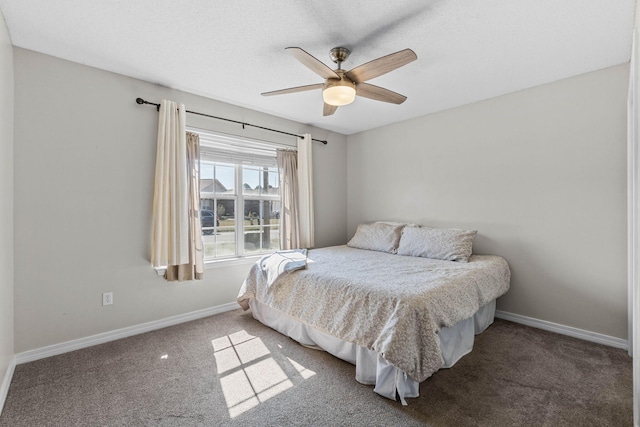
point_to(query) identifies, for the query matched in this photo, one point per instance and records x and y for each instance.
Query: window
(239, 196)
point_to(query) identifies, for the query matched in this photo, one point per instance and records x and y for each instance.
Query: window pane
(260, 180)
(252, 180)
(271, 223)
(266, 211)
(219, 231)
(275, 210)
(275, 236)
(206, 171)
(207, 215)
(224, 179)
(251, 210)
(274, 182)
(261, 227)
(206, 177)
(261, 238)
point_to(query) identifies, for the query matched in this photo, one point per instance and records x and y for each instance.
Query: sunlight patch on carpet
(249, 374)
(304, 372)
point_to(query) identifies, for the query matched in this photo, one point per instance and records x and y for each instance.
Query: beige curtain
(296, 193)
(176, 238)
(305, 191)
(289, 226)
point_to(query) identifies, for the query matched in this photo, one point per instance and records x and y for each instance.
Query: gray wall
(84, 170)
(6, 200)
(540, 173)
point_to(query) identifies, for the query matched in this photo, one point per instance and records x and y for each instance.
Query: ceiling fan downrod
(339, 55)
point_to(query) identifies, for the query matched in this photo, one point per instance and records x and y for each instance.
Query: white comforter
(391, 304)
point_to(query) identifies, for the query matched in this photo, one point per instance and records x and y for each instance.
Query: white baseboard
(65, 347)
(564, 330)
(6, 382)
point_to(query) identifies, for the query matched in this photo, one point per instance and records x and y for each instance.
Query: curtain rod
(142, 101)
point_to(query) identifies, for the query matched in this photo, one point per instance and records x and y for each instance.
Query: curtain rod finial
(140, 100)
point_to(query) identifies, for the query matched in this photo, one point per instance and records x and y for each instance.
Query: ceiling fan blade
(293, 89)
(379, 93)
(311, 62)
(381, 66)
(329, 109)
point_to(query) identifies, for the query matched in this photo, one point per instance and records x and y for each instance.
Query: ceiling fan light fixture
(339, 92)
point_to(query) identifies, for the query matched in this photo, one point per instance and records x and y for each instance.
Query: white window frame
(238, 196)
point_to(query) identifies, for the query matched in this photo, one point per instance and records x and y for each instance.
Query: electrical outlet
(107, 298)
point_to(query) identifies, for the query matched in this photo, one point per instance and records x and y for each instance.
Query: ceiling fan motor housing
(339, 54)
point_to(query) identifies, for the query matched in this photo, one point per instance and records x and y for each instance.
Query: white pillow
(398, 223)
(437, 243)
(377, 237)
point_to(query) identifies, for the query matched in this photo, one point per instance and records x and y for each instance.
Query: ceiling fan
(340, 87)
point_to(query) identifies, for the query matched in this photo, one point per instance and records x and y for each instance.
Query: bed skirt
(372, 368)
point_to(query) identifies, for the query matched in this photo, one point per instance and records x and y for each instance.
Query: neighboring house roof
(212, 186)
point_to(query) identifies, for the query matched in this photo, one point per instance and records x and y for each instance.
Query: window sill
(219, 263)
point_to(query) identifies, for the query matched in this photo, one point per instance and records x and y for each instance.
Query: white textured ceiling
(234, 50)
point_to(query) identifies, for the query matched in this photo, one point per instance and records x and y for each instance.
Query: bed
(398, 318)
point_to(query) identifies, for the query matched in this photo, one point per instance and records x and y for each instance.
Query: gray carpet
(229, 370)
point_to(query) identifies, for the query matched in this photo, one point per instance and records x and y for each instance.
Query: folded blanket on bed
(281, 262)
